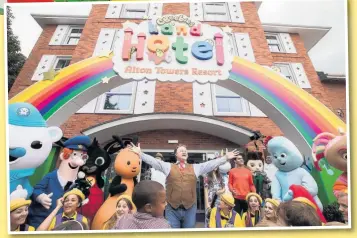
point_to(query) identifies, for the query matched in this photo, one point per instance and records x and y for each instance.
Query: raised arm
(155, 163)
(49, 223)
(208, 166)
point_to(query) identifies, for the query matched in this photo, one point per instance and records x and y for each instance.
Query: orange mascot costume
(127, 166)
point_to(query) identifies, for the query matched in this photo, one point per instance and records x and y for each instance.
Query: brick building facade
(67, 40)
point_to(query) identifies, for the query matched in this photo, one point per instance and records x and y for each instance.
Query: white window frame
(293, 80)
(68, 35)
(124, 8)
(101, 101)
(215, 20)
(280, 42)
(61, 57)
(245, 106)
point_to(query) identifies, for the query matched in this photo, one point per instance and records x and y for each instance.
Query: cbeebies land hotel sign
(171, 48)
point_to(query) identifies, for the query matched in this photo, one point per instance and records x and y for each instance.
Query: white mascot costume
(30, 143)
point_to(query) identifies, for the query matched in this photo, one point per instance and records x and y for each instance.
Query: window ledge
(232, 114)
(113, 112)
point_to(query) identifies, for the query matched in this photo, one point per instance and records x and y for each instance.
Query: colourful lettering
(158, 42)
(181, 29)
(180, 46)
(127, 46)
(153, 28)
(202, 50)
(196, 30)
(218, 37)
(167, 29)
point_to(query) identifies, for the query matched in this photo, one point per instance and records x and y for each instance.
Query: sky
(328, 55)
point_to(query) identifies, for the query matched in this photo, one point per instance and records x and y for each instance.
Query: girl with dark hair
(213, 189)
(70, 202)
(252, 216)
(124, 206)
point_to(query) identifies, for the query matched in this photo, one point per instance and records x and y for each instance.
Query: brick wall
(193, 140)
(41, 48)
(336, 93)
(177, 97)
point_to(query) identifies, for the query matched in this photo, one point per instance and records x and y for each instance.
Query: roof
(311, 35)
(43, 20)
(331, 78)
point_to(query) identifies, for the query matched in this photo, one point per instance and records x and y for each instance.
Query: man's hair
(179, 145)
(296, 213)
(145, 192)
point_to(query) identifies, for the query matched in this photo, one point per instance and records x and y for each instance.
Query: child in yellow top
(224, 215)
(252, 216)
(70, 202)
(18, 214)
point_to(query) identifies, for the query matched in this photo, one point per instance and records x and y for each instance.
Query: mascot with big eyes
(127, 166)
(288, 159)
(98, 161)
(30, 143)
(54, 184)
(333, 148)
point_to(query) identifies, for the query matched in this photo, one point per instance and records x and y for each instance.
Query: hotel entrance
(195, 157)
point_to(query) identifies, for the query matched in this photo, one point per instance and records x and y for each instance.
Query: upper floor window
(280, 43)
(286, 70)
(74, 34)
(118, 100)
(226, 102)
(274, 43)
(62, 62)
(134, 11)
(48, 62)
(215, 11)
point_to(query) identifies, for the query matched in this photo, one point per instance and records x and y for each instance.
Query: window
(287, 71)
(61, 62)
(274, 43)
(118, 100)
(135, 11)
(215, 11)
(228, 103)
(74, 35)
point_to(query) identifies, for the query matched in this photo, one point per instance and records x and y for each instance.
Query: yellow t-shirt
(30, 228)
(212, 221)
(53, 222)
(244, 217)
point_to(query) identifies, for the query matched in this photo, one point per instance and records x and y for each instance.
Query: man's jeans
(180, 217)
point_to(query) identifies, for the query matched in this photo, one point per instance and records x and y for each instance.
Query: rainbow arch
(305, 114)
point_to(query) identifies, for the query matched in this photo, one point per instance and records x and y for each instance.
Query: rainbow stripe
(50, 95)
(309, 116)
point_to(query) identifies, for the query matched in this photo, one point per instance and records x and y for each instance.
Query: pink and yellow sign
(171, 48)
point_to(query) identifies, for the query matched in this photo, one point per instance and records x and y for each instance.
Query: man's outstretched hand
(135, 149)
(232, 154)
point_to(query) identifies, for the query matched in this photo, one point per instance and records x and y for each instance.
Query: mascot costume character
(30, 143)
(54, 184)
(334, 149)
(255, 163)
(288, 159)
(98, 161)
(127, 166)
(297, 191)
